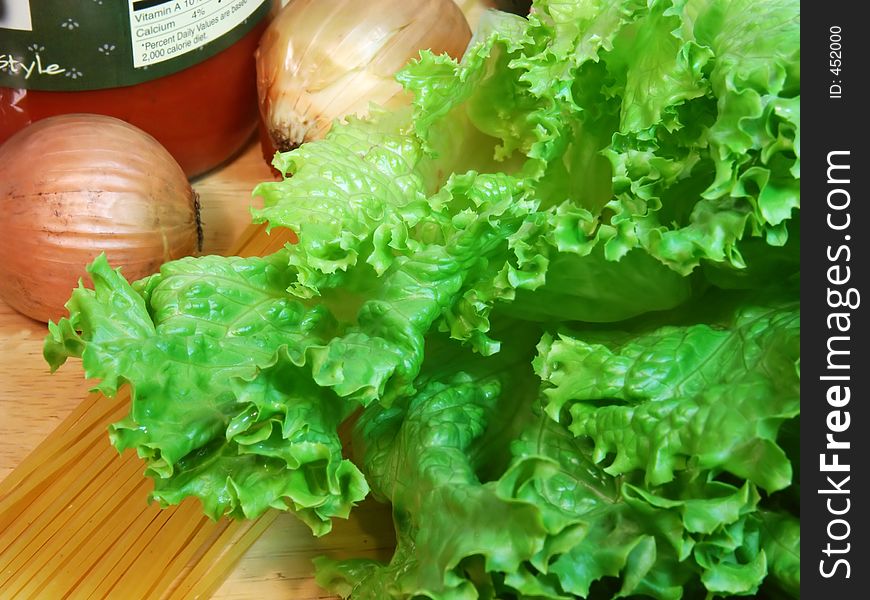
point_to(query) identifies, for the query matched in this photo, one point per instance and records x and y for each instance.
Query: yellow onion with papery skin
(75, 186)
(320, 60)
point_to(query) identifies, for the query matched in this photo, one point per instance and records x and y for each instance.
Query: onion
(473, 9)
(320, 60)
(74, 186)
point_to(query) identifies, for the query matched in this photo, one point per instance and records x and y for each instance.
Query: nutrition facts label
(164, 29)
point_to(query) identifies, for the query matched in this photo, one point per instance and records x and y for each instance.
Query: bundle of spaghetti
(75, 521)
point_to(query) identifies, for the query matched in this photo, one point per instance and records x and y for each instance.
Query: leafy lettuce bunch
(556, 297)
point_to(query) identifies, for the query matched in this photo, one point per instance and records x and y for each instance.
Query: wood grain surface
(33, 402)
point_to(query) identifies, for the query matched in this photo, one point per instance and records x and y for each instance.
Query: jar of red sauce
(182, 70)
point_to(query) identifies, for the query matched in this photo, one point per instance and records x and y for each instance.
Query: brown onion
(321, 60)
(74, 186)
(473, 9)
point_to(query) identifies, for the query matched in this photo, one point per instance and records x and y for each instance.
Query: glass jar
(182, 70)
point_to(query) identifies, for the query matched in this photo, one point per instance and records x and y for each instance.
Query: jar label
(94, 44)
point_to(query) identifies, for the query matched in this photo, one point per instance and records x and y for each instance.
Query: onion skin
(320, 60)
(473, 9)
(75, 186)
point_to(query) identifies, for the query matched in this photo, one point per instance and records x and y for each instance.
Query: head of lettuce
(558, 295)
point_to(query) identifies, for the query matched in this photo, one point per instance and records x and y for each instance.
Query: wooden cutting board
(33, 403)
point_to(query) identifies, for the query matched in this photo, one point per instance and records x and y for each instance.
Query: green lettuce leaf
(222, 410)
(697, 396)
(553, 524)
(618, 122)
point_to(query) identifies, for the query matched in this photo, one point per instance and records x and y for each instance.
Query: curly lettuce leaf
(632, 111)
(553, 524)
(697, 396)
(428, 445)
(618, 122)
(222, 409)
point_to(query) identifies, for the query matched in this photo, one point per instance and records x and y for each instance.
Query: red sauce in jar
(202, 114)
